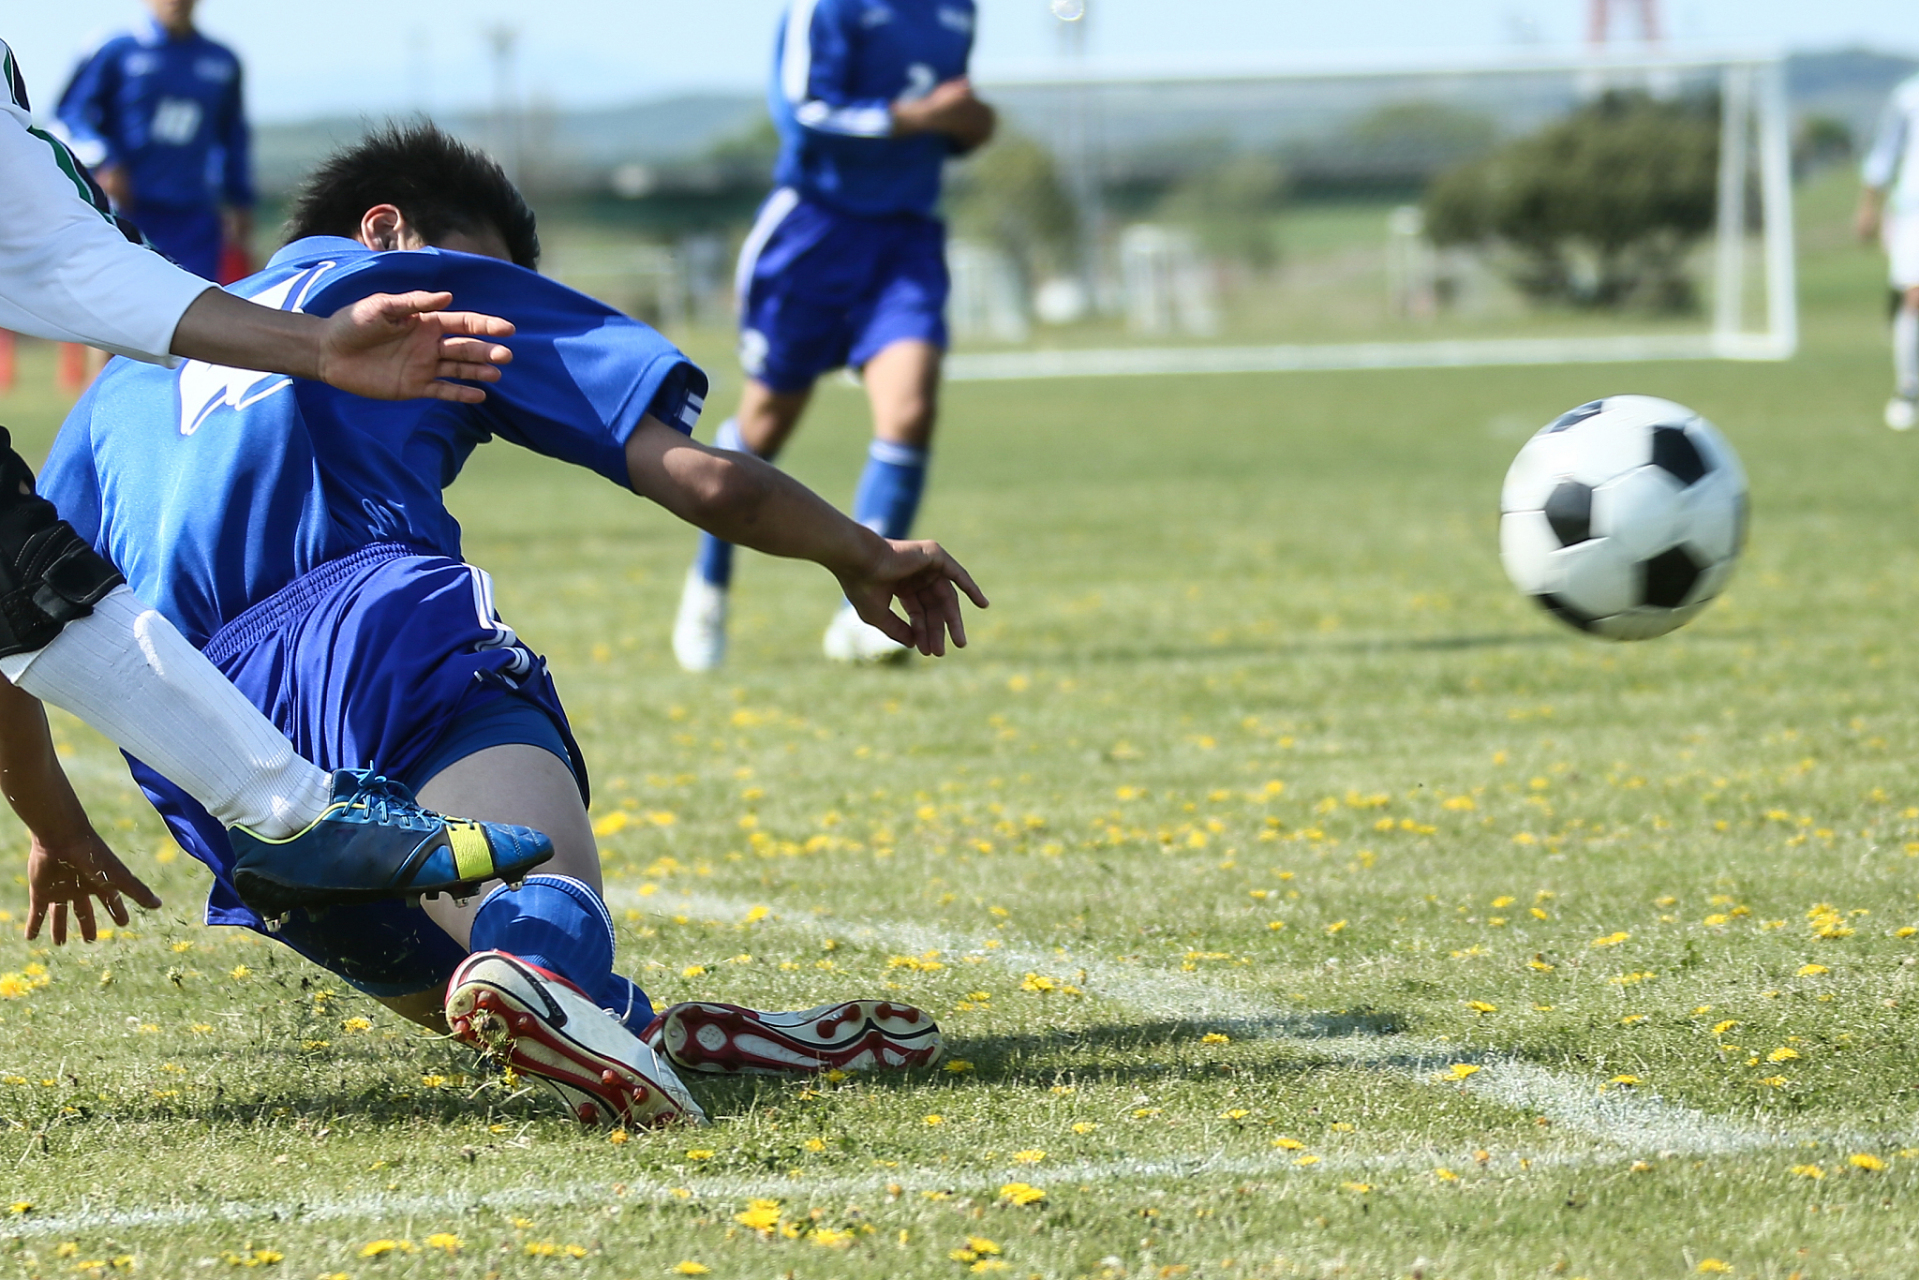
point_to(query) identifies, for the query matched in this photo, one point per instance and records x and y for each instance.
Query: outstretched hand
(927, 583)
(403, 346)
(71, 874)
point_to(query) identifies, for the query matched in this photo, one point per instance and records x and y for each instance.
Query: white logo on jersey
(876, 16)
(957, 19)
(142, 64)
(218, 70)
(205, 387)
(920, 81)
(176, 120)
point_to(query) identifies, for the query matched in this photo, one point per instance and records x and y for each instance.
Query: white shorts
(1901, 237)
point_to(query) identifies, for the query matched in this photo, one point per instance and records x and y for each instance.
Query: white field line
(1622, 1124)
(1631, 1121)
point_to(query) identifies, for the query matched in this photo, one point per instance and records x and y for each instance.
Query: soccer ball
(1624, 517)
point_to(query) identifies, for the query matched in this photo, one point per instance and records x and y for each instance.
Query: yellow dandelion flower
(1480, 1006)
(1713, 1267)
(1721, 1028)
(444, 1240)
(1870, 1163)
(1031, 1156)
(1808, 1171)
(1812, 970)
(1459, 1071)
(617, 1137)
(982, 1246)
(760, 1215)
(1237, 1113)
(1085, 1126)
(1641, 1166)
(1445, 1175)
(1289, 1144)
(1307, 1159)
(1021, 1194)
(1357, 1188)
(1611, 939)
(1627, 1081)
(935, 1119)
(1215, 1037)
(959, 1066)
(1782, 1054)
(378, 1248)
(828, 1238)
(699, 1153)
(239, 972)
(692, 1269)
(1774, 1082)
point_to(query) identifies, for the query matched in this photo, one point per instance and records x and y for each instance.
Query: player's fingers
(950, 612)
(128, 883)
(36, 915)
(475, 351)
(83, 916)
(894, 626)
(454, 391)
(460, 365)
(956, 572)
(476, 325)
(398, 306)
(59, 924)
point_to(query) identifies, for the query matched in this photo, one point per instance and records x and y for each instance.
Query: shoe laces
(387, 802)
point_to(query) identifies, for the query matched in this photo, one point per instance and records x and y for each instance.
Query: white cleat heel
(848, 639)
(699, 630)
(1901, 413)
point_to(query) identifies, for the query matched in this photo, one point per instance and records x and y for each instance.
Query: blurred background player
(157, 115)
(70, 630)
(846, 265)
(1889, 211)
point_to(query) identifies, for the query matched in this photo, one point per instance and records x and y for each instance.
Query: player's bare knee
(1910, 302)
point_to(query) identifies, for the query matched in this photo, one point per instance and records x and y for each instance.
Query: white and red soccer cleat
(856, 1035)
(543, 1026)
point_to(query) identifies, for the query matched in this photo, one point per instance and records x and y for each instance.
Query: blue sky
(382, 55)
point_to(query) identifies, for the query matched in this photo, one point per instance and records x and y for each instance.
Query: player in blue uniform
(157, 115)
(299, 536)
(846, 265)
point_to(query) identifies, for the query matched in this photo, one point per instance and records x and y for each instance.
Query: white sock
(1905, 352)
(127, 672)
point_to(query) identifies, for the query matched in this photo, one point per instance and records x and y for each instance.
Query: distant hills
(707, 142)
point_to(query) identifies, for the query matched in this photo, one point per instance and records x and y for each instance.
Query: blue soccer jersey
(838, 68)
(168, 110)
(212, 488)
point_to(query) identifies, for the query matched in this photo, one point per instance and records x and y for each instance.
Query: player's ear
(384, 227)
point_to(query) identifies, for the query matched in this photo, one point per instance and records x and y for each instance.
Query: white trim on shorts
(772, 213)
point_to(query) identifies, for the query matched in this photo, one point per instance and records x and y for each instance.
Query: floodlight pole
(1082, 172)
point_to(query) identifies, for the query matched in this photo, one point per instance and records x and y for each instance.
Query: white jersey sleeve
(66, 271)
(1893, 163)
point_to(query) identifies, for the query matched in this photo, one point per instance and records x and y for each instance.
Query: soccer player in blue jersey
(157, 115)
(71, 632)
(299, 536)
(846, 266)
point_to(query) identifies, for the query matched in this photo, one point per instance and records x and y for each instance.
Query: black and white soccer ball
(1624, 517)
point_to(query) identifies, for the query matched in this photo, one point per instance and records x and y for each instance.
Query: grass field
(1298, 901)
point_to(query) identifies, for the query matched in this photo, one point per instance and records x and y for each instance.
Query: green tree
(1628, 183)
(1230, 206)
(1012, 196)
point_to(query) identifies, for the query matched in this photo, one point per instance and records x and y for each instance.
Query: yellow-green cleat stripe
(472, 854)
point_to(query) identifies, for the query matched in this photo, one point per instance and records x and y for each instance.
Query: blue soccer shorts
(191, 237)
(385, 659)
(820, 289)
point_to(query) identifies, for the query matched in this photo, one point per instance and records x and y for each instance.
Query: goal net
(1538, 209)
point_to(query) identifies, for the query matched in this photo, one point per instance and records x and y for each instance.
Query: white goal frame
(1755, 122)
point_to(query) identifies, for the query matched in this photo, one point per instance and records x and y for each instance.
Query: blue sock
(560, 924)
(715, 558)
(889, 494)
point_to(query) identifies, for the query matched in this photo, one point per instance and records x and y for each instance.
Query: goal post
(1353, 285)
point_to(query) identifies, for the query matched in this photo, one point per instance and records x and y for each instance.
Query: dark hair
(439, 183)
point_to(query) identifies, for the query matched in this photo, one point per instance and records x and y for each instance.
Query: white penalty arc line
(1629, 1121)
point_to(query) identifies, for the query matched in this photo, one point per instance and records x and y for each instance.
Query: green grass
(1255, 743)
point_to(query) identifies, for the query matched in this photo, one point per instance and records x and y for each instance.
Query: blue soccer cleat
(374, 842)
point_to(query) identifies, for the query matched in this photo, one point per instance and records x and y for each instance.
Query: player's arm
(68, 864)
(951, 109)
(236, 163)
(1881, 166)
(83, 113)
(67, 272)
(745, 501)
(816, 67)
